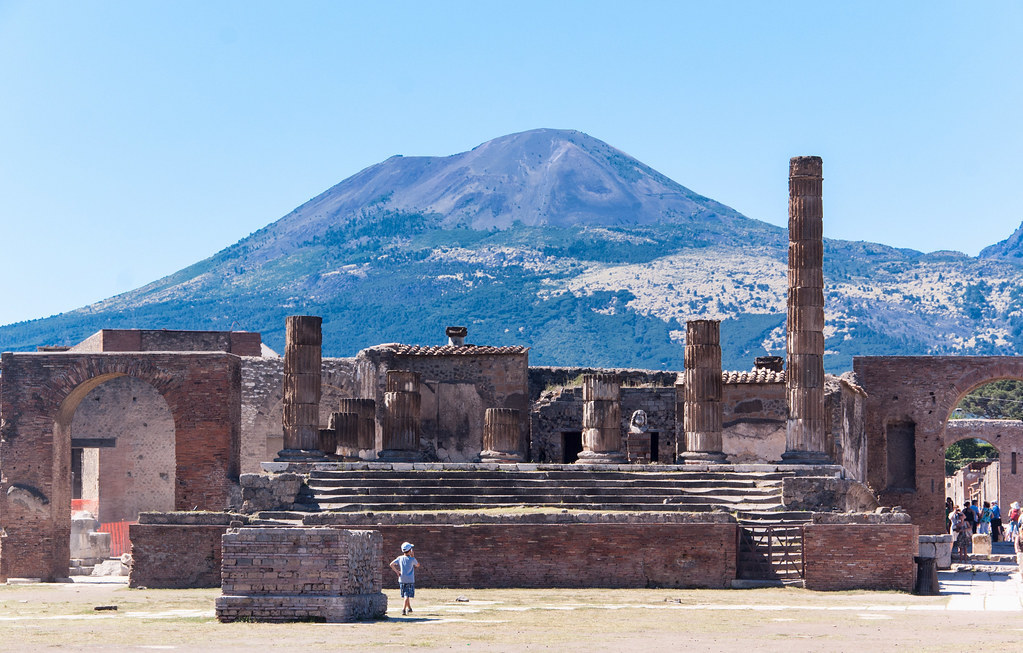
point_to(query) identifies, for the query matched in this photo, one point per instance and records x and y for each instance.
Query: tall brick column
(303, 341)
(602, 420)
(501, 435)
(702, 393)
(804, 378)
(366, 409)
(401, 418)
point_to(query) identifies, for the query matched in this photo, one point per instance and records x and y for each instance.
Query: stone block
(981, 545)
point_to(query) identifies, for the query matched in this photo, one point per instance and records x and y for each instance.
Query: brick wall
(922, 391)
(673, 555)
(566, 555)
(40, 394)
(860, 556)
(175, 556)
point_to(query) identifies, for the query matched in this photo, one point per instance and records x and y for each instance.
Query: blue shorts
(408, 589)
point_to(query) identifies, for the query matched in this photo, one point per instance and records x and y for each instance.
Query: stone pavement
(984, 584)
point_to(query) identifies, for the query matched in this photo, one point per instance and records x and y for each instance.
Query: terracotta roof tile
(453, 350)
(754, 376)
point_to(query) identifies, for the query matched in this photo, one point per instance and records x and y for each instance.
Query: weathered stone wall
(550, 378)
(178, 550)
(860, 556)
(137, 474)
(40, 394)
(753, 421)
(263, 403)
(920, 392)
(456, 389)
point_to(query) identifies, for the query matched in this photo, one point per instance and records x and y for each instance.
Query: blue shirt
(407, 565)
(995, 512)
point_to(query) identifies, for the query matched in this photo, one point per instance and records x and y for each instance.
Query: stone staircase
(683, 491)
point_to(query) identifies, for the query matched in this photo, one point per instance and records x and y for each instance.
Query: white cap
(406, 547)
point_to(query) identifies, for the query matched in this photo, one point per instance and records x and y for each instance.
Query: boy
(405, 566)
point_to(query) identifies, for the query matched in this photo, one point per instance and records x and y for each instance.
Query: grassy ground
(63, 616)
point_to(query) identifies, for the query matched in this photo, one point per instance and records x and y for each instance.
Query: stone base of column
(702, 458)
(401, 456)
(501, 457)
(602, 458)
(300, 456)
(805, 458)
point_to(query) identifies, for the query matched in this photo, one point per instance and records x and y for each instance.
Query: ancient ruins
(211, 447)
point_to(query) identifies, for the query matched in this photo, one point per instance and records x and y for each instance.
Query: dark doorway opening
(571, 446)
(76, 473)
(654, 446)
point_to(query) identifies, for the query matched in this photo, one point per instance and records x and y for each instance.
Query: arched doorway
(910, 400)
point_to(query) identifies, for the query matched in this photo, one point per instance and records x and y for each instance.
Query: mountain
(556, 240)
(1010, 248)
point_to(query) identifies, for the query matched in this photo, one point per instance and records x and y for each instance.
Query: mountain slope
(555, 240)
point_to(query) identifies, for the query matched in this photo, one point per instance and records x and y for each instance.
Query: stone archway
(40, 392)
(917, 394)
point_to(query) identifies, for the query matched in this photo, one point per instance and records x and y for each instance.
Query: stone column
(366, 409)
(804, 378)
(702, 393)
(602, 420)
(501, 435)
(303, 341)
(345, 427)
(401, 418)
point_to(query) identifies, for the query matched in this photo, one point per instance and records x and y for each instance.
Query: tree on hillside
(998, 400)
(959, 454)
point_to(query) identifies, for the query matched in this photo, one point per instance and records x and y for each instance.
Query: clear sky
(139, 137)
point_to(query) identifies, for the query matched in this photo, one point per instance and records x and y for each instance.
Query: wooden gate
(770, 553)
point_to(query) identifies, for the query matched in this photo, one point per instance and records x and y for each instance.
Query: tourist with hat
(405, 566)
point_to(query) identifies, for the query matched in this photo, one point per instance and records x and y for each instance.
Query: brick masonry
(40, 393)
(175, 556)
(567, 555)
(920, 391)
(294, 574)
(860, 556)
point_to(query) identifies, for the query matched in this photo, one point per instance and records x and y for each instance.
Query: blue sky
(139, 137)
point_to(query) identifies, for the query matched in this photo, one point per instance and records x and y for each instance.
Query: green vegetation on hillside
(959, 454)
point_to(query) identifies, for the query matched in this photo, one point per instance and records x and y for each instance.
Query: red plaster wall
(860, 556)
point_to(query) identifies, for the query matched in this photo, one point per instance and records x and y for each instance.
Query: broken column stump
(602, 421)
(302, 357)
(702, 388)
(501, 436)
(301, 574)
(366, 409)
(401, 418)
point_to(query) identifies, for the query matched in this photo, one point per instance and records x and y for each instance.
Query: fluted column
(302, 350)
(401, 417)
(702, 393)
(366, 409)
(804, 378)
(602, 420)
(346, 434)
(501, 436)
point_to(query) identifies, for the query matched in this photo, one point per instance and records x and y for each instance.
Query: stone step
(412, 481)
(772, 518)
(442, 499)
(598, 507)
(516, 490)
(549, 474)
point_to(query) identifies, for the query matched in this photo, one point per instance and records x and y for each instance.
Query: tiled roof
(754, 376)
(452, 350)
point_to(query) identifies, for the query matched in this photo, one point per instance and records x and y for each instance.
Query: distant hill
(556, 240)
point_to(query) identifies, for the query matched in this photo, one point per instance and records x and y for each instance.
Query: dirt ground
(64, 617)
